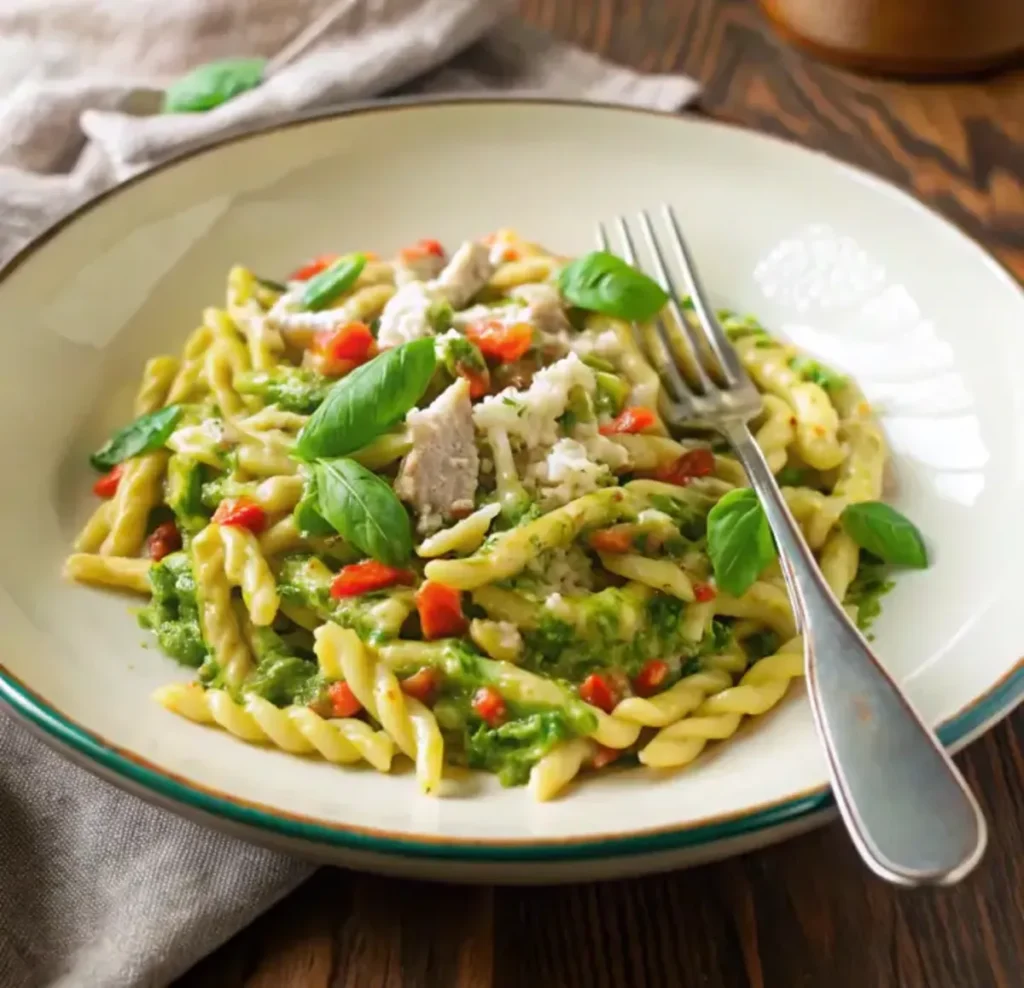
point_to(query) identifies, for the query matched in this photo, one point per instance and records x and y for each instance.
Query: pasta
(483, 550)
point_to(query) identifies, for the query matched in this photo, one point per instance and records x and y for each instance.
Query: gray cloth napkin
(98, 889)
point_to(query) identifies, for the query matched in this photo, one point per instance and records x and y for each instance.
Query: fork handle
(906, 806)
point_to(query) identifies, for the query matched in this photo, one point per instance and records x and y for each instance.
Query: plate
(843, 264)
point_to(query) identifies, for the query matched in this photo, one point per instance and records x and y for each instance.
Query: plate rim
(109, 761)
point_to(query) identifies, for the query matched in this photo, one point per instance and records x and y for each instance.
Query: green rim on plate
(91, 751)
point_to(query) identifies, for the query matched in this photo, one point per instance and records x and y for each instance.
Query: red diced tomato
(611, 540)
(501, 341)
(636, 418)
(479, 381)
(421, 249)
(164, 540)
(650, 677)
(422, 685)
(703, 592)
(343, 700)
(489, 705)
(353, 341)
(314, 267)
(367, 575)
(241, 512)
(106, 486)
(695, 463)
(440, 610)
(598, 692)
(604, 756)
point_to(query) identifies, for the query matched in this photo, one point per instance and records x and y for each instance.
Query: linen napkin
(98, 889)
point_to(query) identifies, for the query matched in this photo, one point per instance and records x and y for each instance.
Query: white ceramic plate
(845, 265)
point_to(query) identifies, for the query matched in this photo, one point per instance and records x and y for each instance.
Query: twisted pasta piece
(273, 419)
(216, 616)
(266, 458)
(109, 571)
(96, 529)
(410, 724)
(246, 568)
(719, 716)
(464, 536)
(763, 602)
(528, 271)
(277, 494)
(659, 574)
(190, 371)
(297, 730)
(138, 492)
(555, 770)
(157, 378)
(776, 432)
(265, 343)
(675, 702)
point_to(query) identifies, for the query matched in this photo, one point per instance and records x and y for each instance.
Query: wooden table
(804, 913)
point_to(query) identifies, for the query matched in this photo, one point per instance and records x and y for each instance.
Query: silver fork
(906, 806)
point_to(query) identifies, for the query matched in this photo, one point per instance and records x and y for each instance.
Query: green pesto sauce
(611, 631)
(292, 389)
(869, 586)
(282, 676)
(513, 748)
(173, 612)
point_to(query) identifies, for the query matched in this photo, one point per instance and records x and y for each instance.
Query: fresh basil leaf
(368, 401)
(810, 370)
(602, 282)
(325, 287)
(207, 86)
(147, 433)
(885, 533)
(740, 541)
(364, 510)
(308, 519)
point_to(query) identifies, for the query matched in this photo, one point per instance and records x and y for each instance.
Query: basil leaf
(325, 287)
(364, 510)
(740, 541)
(147, 433)
(368, 401)
(207, 86)
(602, 282)
(885, 533)
(308, 519)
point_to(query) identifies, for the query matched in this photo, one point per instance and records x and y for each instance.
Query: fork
(906, 806)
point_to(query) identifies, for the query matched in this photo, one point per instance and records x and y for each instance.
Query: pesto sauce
(292, 389)
(868, 588)
(173, 612)
(281, 675)
(513, 748)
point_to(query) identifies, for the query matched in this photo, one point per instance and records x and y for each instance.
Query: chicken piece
(465, 274)
(407, 315)
(438, 477)
(417, 267)
(544, 308)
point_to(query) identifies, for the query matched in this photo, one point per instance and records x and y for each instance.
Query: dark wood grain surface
(803, 914)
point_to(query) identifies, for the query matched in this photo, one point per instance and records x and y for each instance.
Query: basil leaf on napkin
(602, 282)
(368, 401)
(208, 86)
(147, 433)
(364, 510)
(740, 542)
(885, 533)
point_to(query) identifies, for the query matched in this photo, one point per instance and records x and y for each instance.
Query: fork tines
(701, 372)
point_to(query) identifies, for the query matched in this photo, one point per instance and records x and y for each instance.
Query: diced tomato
(422, 685)
(106, 486)
(343, 700)
(440, 610)
(164, 540)
(604, 756)
(351, 344)
(611, 540)
(502, 341)
(241, 512)
(489, 705)
(598, 692)
(636, 418)
(479, 381)
(367, 575)
(650, 677)
(703, 592)
(694, 463)
(314, 267)
(421, 249)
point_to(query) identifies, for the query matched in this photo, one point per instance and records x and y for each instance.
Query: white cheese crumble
(567, 472)
(406, 315)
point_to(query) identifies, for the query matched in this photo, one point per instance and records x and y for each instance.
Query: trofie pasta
(427, 509)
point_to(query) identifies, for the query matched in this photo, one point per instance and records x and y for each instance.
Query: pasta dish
(427, 508)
